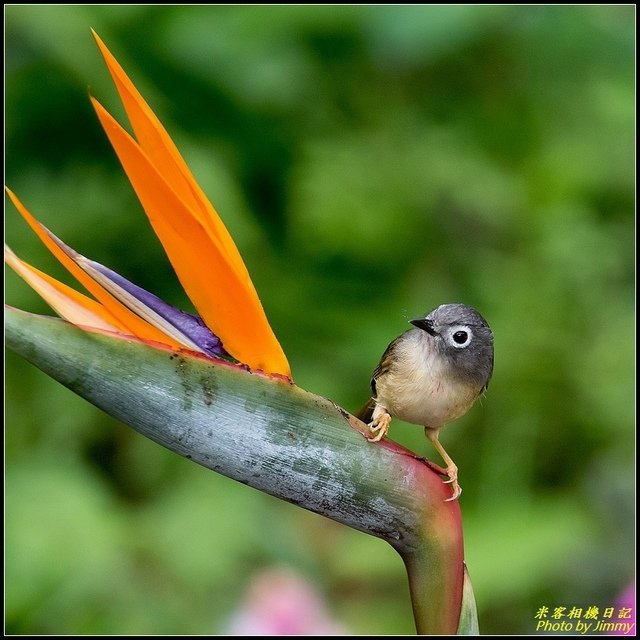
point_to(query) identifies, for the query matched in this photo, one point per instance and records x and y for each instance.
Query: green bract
(273, 436)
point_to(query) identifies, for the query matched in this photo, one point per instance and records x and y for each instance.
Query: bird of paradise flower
(231, 320)
(384, 490)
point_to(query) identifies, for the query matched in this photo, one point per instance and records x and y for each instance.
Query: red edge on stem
(435, 567)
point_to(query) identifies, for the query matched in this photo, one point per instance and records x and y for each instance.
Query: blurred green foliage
(371, 162)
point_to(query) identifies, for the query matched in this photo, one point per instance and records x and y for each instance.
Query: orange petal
(223, 296)
(125, 320)
(244, 330)
(65, 301)
(164, 155)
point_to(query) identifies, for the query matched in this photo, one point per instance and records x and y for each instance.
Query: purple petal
(183, 327)
(188, 324)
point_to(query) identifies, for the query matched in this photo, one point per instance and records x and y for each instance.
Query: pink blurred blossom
(627, 600)
(280, 602)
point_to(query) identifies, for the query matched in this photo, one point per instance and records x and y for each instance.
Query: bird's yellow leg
(452, 469)
(379, 426)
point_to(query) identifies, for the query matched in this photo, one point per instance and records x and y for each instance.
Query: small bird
(431, 375)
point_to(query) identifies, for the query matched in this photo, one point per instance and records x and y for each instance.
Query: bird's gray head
(463, 338)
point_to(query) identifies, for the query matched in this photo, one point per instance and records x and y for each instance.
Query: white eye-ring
(459, 336)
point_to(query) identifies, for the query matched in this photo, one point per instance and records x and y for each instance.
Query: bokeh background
(371, 163)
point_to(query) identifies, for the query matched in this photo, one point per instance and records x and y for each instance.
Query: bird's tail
(366, 412)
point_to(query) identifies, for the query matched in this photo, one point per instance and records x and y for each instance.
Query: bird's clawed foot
(452, 472)
(379, 427)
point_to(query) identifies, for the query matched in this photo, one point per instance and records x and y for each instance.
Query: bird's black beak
(425, 324)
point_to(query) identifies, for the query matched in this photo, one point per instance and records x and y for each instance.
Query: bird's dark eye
(460, 337)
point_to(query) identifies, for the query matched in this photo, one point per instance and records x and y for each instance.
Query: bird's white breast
(418, 388)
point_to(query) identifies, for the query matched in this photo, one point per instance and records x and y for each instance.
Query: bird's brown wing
(366, 412)
(384, 365)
